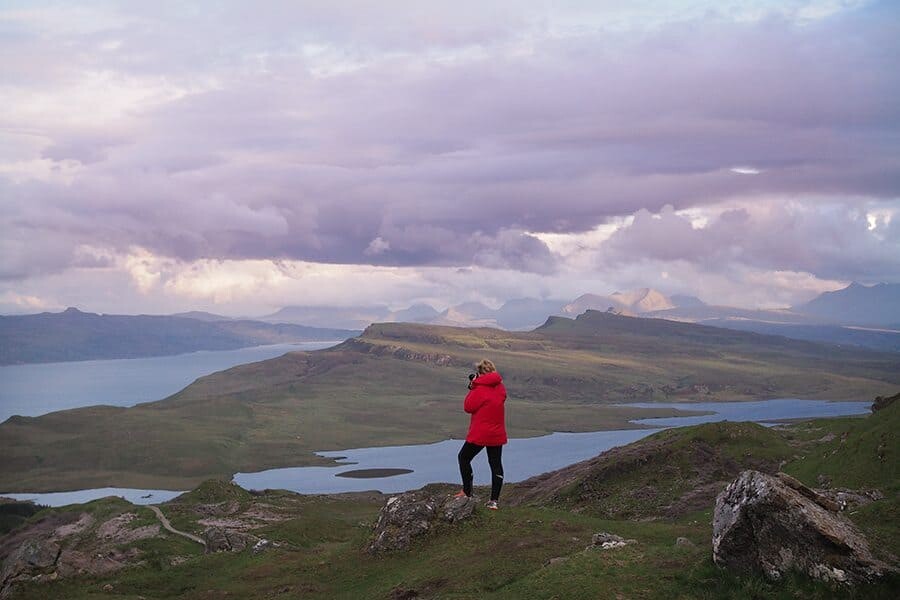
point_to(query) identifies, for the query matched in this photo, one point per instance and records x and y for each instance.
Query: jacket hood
(488, 379)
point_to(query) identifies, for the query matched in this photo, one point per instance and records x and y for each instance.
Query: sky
(238, 157)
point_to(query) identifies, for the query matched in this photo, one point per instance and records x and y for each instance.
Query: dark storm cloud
(443, 136)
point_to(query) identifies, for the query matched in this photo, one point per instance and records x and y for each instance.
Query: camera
(471, 376)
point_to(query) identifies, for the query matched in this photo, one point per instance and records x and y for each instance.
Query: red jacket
(485, 403)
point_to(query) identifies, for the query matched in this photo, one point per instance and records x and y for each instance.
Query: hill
(74, 335)
(278, 544)
(857, 304)
(403, 383)
(671, 473)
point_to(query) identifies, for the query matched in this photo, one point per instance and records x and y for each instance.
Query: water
(761, 411)
(37, 389)
(523, 458)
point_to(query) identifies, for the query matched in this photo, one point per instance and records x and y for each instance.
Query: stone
(408, 516)
(762, 525)
(683, 542)
(225, 540)
(608, 541)
(882, 402)
(31, 560)
(823, 501)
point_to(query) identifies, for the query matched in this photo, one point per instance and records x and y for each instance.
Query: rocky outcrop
(118, 531)
(409, 516)
(763, 525)
(882, 402)
(218, 539)
(32, 560)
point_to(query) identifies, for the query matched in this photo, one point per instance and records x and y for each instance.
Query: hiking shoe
(492, 505)
(460, 494)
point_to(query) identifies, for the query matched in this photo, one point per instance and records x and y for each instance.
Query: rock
(816, 497)
(882, 402)
(557, 560)
(411, 515)
(852, 499)
(457, 509)
(108, 587)
(683, 542)
(261, 546)
(117, 531)
(225, 540)
(762, 525)
(607, 541)
(33, 560)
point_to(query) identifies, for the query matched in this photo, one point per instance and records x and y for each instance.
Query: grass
(404, 383)
(857, 453)
(505, 554)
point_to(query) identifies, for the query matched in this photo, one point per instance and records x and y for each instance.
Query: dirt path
(168, 526)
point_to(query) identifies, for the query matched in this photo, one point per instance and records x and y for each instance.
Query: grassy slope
(669, 473)
(864, 453)
(403, 383)
(495, 555)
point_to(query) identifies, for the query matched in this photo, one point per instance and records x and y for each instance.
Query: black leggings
(467, 453)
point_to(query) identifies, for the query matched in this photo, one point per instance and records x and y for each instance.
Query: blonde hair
(485, 366)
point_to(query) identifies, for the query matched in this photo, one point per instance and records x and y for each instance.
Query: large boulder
(763, 525)
(405, 517)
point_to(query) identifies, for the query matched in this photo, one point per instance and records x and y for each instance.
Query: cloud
(449, 135)
(825, 239)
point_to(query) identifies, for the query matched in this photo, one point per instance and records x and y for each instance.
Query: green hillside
(534, 547)
(671, 473)
(404, 383)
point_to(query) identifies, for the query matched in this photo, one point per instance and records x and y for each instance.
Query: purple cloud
(449, 137)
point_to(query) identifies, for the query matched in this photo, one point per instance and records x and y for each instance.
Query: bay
(36, 389)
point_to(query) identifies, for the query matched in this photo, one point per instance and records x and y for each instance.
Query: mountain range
(858, 316)
(855, 316)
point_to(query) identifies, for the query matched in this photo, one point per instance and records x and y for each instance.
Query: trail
(168, 526)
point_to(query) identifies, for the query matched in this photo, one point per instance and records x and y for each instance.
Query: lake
(420, 464)
(37, 389)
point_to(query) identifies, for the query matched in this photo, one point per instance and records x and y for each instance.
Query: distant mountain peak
(634, 301)
(72, 311)
(857, 304)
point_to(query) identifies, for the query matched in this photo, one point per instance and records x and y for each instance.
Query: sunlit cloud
(243, 159)
(745, 170)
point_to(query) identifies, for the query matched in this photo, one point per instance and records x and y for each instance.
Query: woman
(487, 429)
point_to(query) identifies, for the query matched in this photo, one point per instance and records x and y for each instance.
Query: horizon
(159, 159)
(400, 307)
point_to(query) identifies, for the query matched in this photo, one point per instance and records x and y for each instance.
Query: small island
(373, 473)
